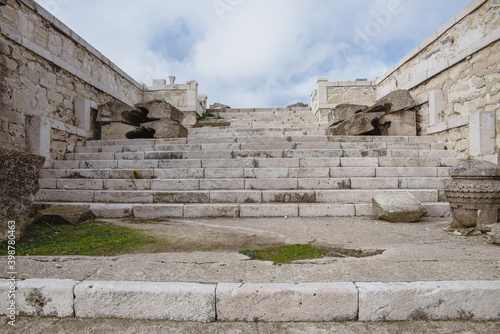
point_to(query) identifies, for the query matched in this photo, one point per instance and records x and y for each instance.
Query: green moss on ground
(284, 254)
(91, 239)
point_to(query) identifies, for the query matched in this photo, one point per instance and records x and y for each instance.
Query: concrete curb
(267, 302)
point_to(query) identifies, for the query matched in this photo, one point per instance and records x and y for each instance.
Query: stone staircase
(268, 163)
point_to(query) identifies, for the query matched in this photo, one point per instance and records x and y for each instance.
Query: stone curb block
(39, 297)
(478, 300)
(280, 302)
(146, 300)
(268, 302)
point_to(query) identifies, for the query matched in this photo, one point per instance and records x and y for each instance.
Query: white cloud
(254, 53)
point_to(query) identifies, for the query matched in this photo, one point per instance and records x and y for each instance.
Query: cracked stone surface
(417, 252)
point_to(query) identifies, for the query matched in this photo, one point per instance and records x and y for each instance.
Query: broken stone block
(190, 118)
(64, 215)
(398, 208)
(401, 123)
(343, 112)
(161, 109)
(112, 111)
(19, 180)
(393, 115)
(137, 117)
(219, 106)
(115, 130)
(167, 128)
(359, 124)
(394, 101)
(298, 105)
(141, 133)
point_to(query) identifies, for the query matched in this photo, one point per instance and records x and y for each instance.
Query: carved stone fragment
(474, 194)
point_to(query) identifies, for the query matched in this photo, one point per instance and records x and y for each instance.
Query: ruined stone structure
(53, 82)
(454, 76)
(56, 89)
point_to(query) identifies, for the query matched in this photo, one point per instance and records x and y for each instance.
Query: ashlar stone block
(478, 300)
(287, 302)
(146, 300)
(39, 297)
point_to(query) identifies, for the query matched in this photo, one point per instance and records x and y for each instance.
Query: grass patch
(76, 175)
(208, 116)
(284, 254)
(91, 239)
(152, 221)
(290, 253)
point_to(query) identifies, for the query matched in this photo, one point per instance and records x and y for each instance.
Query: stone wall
(331, 94)
(455, 73)
(184, 96)
(45, 67)
(454, 76)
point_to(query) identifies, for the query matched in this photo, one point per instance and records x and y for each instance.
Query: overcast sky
(254, 53)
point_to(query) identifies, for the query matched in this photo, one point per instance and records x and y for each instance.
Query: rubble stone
(393, 115)
(112, 111)
(168, 128)
(398, 208)
(72, 215)
(115, 130)
(219, 106)
(343, 112)
(162, 109)
(298, 105)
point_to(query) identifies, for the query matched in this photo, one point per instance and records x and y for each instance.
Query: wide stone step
(302, 124)
(256, 132)
(244, 168)
(124, 180)
(267, 145)
(252, 210)
(227, 138)
(227, 196)
(334, 162)
(348, 151)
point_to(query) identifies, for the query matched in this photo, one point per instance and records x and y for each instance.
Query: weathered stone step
(252, 210)
(398, 152)
(259, 132)
(225, 138)
(350, 165)
(227, 196)
(291, 123)
(267, 145)
(176, 180)
(64, 168)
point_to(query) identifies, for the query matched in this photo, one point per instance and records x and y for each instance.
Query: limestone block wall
(330, 94)
(48, 74)
(184, 96)
(455, 76)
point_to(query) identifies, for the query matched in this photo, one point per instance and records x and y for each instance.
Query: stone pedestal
(474, 194)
